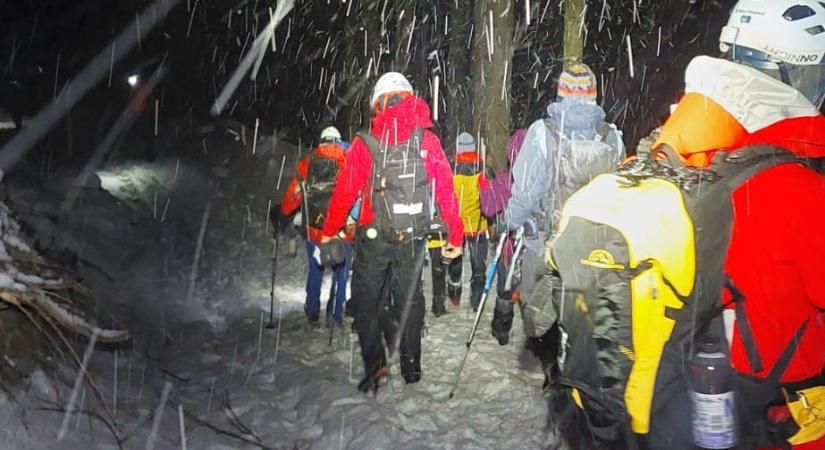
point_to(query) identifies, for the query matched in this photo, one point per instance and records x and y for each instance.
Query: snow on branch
(24, 283)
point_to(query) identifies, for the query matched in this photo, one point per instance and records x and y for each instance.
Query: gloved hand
(330, 253)
(280, 222)
(530, 229)
(451, 252)
(483, 182)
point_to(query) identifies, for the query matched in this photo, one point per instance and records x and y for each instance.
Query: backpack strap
(745, 330)
(371, 142)
(790, 349)
(743, 164)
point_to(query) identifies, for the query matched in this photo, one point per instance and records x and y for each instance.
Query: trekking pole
(508, 283)
(405, 313)
(491, 272)
(271, 323)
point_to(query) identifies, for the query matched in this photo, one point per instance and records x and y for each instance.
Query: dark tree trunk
(492, 62)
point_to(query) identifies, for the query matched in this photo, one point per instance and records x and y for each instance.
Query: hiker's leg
(454, 272)
(341, 275)
(371, 271)
(315, 274)
(478, 261)
(439, 281)
(404, 273)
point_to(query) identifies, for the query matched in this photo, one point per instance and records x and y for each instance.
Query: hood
(579, 119)
(396, 123)
(330, 150)
(729, 106)
(753, 98)
(514, 144)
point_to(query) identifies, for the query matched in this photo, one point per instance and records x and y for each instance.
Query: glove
(330, 254)
(530, 229)
(483, 182)
(280, 222)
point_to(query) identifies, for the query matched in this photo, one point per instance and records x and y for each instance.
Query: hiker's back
(400, 191)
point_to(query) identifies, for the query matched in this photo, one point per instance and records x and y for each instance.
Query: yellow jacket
(469, 201)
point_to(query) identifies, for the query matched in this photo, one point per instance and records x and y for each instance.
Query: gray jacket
(560, 154)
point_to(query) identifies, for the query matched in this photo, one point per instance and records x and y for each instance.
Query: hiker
(468, 180)
(494, 199)
(715, 237)
(560, 154)
(310, 190)
(394, 169)
(768, 89)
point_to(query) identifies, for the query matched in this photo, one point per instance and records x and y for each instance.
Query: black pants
(477, 248)
(383, 270)
(503, 312)
(439, 273)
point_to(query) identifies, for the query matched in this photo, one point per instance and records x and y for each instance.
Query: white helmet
(390, 82)
(330, 134)
(782, 38)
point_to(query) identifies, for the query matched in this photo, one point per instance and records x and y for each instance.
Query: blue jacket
(560, 154)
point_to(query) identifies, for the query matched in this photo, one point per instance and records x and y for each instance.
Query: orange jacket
(293, 197)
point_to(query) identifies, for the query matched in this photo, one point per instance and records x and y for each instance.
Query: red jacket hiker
(778, 242)
(293, 196)
(398, 122)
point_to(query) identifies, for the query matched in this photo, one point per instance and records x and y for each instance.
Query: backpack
(400, 190)
(638, 281)
(318, 187)
(577, 161)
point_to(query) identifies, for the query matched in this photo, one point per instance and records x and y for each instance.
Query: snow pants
(477, 248)
(438, 272)
(315, 276)
(383, 270)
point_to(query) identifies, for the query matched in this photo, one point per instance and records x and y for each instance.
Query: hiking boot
(410, 368)
(503, 337)
(373, 380)
(312, 317)
(438, 308)
(332, 323)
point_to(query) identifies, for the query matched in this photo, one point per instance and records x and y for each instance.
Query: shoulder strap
(745, 330)
(740, 166)
(370, 140)
(785, 358)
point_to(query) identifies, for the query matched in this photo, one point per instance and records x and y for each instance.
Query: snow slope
(236, 383)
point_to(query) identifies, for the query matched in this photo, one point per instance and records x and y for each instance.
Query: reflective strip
(408, 208)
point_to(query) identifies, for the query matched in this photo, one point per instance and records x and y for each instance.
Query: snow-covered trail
(238, 384)
(300, 391)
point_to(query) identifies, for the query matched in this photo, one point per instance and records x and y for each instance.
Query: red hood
(804, 136)
(399, 121)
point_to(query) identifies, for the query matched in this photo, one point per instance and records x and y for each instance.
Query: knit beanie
(577, 83)
(465, 143)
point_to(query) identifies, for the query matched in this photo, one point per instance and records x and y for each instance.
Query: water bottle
(711, 382)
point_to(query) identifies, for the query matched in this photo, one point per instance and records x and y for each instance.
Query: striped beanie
(577, 83)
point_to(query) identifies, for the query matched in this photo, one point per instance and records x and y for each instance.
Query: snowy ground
(234, 383)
